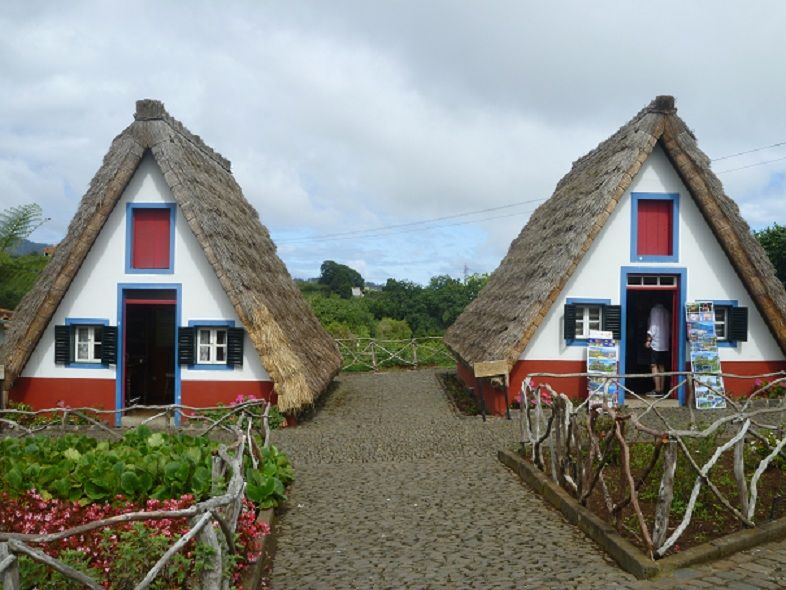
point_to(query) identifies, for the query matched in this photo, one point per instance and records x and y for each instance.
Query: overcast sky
(347, 116)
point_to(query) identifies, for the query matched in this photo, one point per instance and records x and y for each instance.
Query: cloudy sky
(406, 139)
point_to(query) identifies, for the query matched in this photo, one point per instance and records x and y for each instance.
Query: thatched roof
(499, 324)
(295, 350)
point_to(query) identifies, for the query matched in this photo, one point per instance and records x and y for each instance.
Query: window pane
(221, 354)
(97, 333)
(204, 336)
(650, 280)
(82, 334)
(667, 280)
(82, 351)
(97, 351)
(221, 336)
(204, 353)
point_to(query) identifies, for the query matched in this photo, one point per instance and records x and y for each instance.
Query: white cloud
(347, 115)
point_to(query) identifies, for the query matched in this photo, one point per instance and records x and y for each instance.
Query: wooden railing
(223, 510)
(579, 448)
(371, 354)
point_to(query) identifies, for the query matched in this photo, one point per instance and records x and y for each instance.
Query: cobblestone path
(394, 490)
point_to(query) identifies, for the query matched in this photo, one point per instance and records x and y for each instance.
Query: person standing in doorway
(658, 340)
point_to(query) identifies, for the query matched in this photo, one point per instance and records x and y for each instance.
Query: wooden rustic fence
(222, 510)
(579, 448)
(371, 354)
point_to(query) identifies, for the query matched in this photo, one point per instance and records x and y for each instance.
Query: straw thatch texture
(295, 350)
(504, 317)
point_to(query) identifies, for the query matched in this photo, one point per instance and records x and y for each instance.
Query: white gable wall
(710, 275)
(93, 292)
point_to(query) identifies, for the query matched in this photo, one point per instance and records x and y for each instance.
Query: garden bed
(51, 484)
(459, 396)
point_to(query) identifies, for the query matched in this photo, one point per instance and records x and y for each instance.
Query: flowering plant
(770, 389)
(118, 556)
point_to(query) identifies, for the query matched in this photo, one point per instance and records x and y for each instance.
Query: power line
(360, 232)
(751, 165)
(431, 227)
(750, 151)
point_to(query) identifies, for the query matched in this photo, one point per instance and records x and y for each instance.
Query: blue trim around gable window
(681, 337)
(210, 324)
(121, 289)
(130, 235)
(583, 301)
(85, 322)
(726, 303)
(634, 226)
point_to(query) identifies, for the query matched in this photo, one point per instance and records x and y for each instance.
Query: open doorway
(149, 351)
(641, 298)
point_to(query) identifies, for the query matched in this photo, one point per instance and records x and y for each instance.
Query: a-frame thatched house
(641, 219)
(166, 289)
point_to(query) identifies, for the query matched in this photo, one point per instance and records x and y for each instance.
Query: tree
(774, 241)
(18, 273)
(340, 278)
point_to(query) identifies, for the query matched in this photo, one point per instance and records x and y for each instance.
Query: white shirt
(660, 328)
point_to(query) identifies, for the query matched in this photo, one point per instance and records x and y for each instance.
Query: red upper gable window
(655, 226)
(151, 239)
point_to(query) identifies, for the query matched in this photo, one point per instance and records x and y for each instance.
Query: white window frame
(724, 322)
(91, 343)
(212, 346)
(583, 319)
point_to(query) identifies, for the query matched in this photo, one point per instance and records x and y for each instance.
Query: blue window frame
(83, 323)
(212, 324)
(634, 226)
(130, 237)
(724, 304)
(586, 302)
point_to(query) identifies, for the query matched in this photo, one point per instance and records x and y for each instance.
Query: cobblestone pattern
(395, 490)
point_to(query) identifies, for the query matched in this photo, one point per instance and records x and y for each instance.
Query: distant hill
(26, 247)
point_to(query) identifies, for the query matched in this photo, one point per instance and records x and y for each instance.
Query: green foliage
(79, 468)
(17, 276)
(266, 487)
(429, 310)
(17, 223)
(38, 575)
(774, 241)
(342, 316)
(426, 311)
(141, 550)
(390, 329)
(18, 273)
(339, 278)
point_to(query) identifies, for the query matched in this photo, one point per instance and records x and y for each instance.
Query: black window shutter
(612, 320)
(737, 324)
(185, 346)
(569, 327)
(235, 346)
(64, 348)
(109, 345)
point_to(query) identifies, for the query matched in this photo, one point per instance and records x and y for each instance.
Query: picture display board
(708, 390)
(602, 365)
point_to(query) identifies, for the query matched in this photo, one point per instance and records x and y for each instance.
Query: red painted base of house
(576, 387)
(204, 394)
(42, 393)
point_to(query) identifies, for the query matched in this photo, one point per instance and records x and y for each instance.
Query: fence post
(415, 352)
(9, 569)
(374, 355)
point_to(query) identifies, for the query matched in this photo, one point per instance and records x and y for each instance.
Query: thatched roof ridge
(295, 350)
(501, 321)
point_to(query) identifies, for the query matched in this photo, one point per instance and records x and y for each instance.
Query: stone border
(254, 574)
(629, 557)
